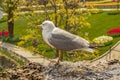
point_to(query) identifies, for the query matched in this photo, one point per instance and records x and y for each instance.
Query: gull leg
(60, 56)
(57, 53)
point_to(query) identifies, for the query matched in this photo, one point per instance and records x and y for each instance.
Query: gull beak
(38, 26)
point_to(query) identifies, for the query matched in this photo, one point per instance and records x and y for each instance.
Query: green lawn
(100, 23)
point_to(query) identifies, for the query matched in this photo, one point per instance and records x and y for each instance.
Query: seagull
(62, 40)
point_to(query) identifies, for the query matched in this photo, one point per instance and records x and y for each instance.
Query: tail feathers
(95, 45)
(89, 50)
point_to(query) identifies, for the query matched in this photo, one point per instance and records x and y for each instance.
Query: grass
(100, 23)
(1, 69)
(16, 59)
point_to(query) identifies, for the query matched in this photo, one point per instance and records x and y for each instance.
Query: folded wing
(66, 41)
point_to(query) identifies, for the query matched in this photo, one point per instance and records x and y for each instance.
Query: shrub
(114, 31)
(94, 10)
(105, 40)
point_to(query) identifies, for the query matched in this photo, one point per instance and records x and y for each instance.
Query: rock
(65, 71)
(113, 62)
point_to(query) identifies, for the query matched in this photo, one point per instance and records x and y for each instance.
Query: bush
(105, 40)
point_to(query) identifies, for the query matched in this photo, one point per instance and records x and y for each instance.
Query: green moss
(1, 69)
(19, 61)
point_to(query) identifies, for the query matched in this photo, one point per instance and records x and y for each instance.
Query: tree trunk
(55, 16)
(67, 16)
(10, 25)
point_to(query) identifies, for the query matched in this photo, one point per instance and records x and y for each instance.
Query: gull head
(47, 25)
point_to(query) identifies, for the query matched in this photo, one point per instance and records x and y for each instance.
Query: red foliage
(114, 31)
(5, 33)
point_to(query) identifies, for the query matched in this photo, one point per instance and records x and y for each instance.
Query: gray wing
(66, 41)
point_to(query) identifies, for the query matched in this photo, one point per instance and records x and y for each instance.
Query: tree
(73, 16)
(10, 7)
(65, 13)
